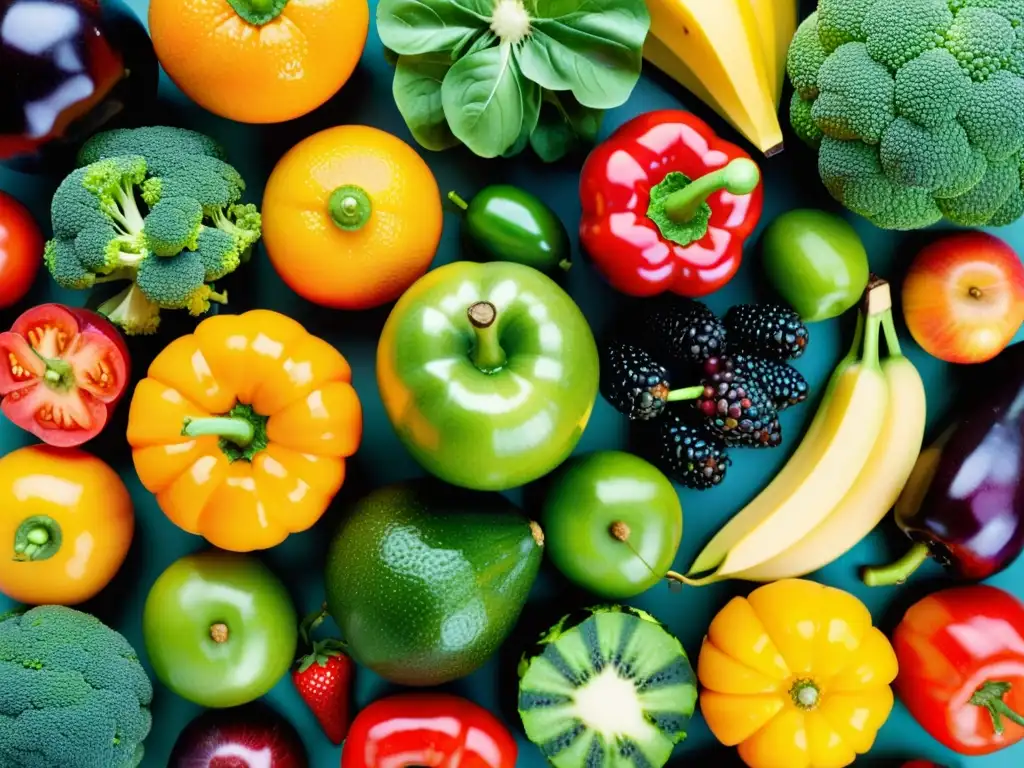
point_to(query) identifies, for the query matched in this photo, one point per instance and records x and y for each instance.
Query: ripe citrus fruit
(351, 217)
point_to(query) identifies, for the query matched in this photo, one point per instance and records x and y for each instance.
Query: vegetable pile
(916, 108)
(158, 207)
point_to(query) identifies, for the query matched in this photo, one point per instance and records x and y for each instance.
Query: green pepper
(505, 223)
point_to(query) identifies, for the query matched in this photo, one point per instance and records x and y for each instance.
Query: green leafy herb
(498, 75)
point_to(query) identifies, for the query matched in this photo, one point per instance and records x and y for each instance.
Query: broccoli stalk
(157, 207)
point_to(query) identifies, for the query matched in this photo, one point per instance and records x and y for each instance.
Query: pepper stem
(686, 393)
(258, 12)
(739, 177)
(458, 201)
(487, 354)
(37, 538)
(805, 694)
(897, 572)
(990, 696)
(350, 207)
(237, 430)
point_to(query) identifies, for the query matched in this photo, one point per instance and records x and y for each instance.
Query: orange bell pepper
(796, 676)
(242, 429)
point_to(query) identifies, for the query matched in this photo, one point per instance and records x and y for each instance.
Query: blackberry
(737, 408)
(783, 383)
(766, 330)
(682, 331)
(632, 381)
(685, 451)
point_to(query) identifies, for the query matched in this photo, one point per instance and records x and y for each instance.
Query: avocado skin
(426, 581)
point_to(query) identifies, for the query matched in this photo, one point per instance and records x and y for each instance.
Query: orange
(351, 217)
(259, 61)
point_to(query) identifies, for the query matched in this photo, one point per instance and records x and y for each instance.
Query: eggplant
(69, 68)
(964, 502)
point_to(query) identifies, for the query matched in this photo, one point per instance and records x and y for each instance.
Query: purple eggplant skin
(69, 68)
(971, 516)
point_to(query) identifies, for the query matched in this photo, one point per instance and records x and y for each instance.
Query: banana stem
(899, 571)
(892, 340)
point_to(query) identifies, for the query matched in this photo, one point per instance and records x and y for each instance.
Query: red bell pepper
(667, 206)
(434, 730)
(961, 657)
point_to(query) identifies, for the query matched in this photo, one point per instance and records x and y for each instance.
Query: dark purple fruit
(737, 408)
(632, 381)
(771, 331)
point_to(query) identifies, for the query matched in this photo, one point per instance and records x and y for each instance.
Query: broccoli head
(159, 207)
(916, 107)
(72, 693)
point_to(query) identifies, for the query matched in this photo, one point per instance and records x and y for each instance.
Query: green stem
(258, 12)
(805, 695)
(239, 431)
(487, 355)
(311, 622)
(740, 177)
(872, 327)
(899, 571)
(458, 201)
(892, 340)
(990, 696)
(565, 264)
(218, 298)
(37, 538)
(686, 393)
(350, 207)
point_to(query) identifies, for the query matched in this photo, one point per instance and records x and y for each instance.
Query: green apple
(816, 262)
(488, 373)
(220, 628)
(612, 524)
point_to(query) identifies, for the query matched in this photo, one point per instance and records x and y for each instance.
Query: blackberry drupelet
(736, 408)
(684, 449)
(784, 384)
(766, 330)
(682, 331)
(632, 381)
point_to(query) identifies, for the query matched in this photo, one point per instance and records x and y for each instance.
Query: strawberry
(323, 678)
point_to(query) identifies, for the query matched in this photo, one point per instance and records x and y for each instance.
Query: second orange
(351, 217)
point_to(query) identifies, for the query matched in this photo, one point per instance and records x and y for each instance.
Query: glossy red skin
(434, 730)
(88, 321)
(21, 250)
(950, 643)
(241, 737)
(624, 245)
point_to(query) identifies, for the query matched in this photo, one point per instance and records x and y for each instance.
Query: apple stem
(487, 354)
(974, 292)
(537, 532)
(619, 531)
(219, 633)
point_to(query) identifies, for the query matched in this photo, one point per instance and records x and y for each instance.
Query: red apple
(251, 736)
(963, 298)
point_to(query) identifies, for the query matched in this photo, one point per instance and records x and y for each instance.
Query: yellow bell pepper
(796, 676)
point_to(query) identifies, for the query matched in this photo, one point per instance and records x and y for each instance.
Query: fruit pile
(743, 380)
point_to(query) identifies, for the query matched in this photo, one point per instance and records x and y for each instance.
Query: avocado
(426, 581)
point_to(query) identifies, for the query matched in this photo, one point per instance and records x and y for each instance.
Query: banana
(877, 487)
(776, 20)
(714, 48)
(823, 469)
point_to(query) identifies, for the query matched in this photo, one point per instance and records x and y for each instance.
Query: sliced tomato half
(64, 369)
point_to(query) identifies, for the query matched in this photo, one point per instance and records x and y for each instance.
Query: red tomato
(21, 250)
(65, 369)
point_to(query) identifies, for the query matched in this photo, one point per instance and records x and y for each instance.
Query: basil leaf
(531, 95)
(428, 26)
(593, 48)
(483, 101)
(417, 92)
(565, 126)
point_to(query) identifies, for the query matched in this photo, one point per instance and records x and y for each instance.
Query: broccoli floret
(131, 311)
(173, 225)
(917, 108)
(981, 41)
(72, 693)
(146, 196)
(842, 21)
(805, 58)
(900, 33)
(856, 99)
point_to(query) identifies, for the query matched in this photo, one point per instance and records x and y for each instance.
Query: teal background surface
(790, 181)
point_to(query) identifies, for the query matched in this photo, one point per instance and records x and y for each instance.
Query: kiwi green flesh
(608, 690)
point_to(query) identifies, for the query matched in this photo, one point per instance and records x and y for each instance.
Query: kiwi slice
(609, 686)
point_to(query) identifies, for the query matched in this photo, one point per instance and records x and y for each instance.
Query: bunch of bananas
(731, 54)
(845, 475)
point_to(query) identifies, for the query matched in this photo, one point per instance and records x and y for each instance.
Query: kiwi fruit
(609, 686)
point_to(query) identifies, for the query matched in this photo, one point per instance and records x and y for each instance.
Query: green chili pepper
(505, 223)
